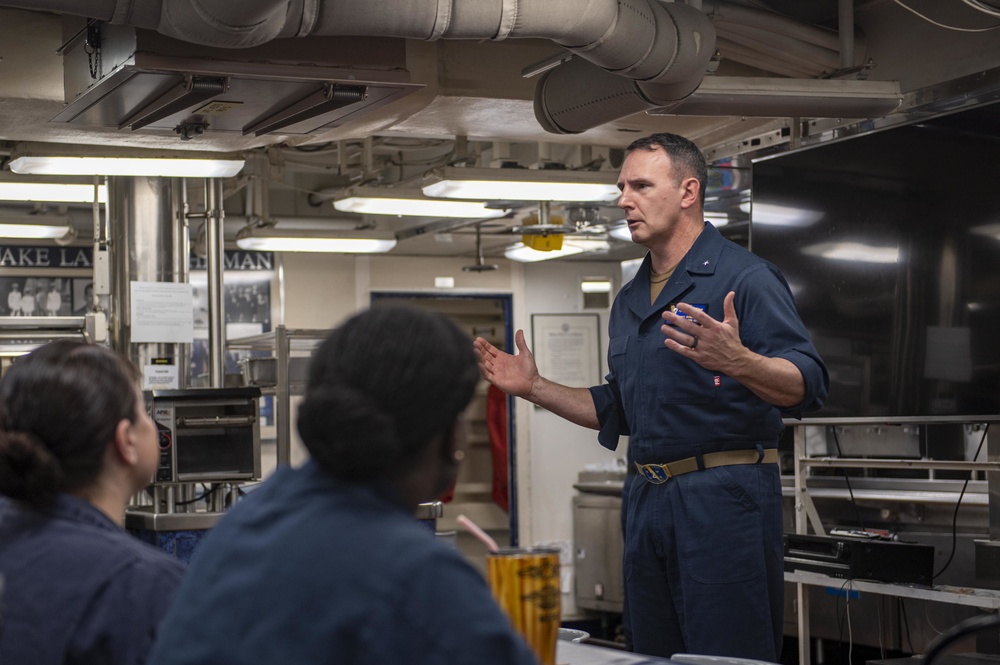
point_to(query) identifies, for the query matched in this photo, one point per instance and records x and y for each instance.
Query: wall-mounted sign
(161, 312)
(567, 348)
(19, 256)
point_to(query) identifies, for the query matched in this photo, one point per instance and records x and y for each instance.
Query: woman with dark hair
(326, 563)
(75, 445)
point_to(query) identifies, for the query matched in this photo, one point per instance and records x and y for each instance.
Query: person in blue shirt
(706, 354)
(75, 445)
(326, 563)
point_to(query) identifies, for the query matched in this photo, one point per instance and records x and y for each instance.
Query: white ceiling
(476, 90)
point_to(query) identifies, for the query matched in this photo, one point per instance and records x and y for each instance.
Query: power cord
(906, 623)
(958, 504)
(201, 497)
(847, 613)
(857, 510)
(942, 25)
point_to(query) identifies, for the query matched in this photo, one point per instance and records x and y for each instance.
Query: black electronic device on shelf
(860, 557)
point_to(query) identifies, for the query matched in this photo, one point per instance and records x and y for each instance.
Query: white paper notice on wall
(162, 312)
(160, 377)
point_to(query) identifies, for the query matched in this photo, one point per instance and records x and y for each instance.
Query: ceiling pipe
(781, 47)
(739, 53)
(577, 96)
(631, 55)
(721, 12)
(634, 38)
(845, 16)
(664, 45)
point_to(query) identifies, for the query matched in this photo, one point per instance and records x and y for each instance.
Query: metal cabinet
(597, 552)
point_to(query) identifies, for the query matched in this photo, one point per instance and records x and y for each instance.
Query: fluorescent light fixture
(595, 286)
(386, 201)
(853, 251)
(168, 167)
(521, 184)
(51, 192)
(63, 159)
(782, 97)
(343, 242)
(35, 227)
(524, 254)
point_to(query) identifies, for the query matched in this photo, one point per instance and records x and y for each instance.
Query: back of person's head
(59, 407)
(381, 387)
(685, 157)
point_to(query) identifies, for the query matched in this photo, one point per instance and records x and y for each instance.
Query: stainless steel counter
(573, 653)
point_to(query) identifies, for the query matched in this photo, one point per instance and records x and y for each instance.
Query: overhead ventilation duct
(577, 96)
(133, 79)
(664, 47)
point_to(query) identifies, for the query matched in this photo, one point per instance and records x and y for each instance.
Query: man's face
(652, 197)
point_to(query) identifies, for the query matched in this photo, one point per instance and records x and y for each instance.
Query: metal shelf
(988, 599)
(806, 515)
(282, 342)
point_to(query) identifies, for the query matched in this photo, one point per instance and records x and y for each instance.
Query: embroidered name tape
(677, 312)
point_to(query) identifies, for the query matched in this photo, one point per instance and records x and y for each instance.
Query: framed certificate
(567, 348)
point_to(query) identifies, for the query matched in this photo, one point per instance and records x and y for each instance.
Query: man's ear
(692, 192)
(124, 444)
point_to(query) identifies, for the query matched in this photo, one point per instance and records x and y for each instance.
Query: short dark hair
(686, 158)
(381, 387)
(59, 408)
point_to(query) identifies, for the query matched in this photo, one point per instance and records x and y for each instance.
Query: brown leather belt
(661, 473)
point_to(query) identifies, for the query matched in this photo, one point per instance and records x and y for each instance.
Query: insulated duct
(578, 95)
(664, 47)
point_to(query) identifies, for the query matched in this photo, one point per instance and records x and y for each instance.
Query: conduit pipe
(747, 56)
(781, 47)
(726, 12)
(845, 18)
(826, 49)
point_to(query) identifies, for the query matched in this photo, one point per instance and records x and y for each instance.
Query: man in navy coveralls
(706, 355)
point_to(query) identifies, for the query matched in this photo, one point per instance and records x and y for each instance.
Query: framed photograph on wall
(567, 348)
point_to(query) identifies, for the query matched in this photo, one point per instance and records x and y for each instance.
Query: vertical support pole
(801, 525)
(283, 419)
(216, 304)
(181, 243)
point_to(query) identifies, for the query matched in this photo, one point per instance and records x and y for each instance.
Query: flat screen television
(890, 242)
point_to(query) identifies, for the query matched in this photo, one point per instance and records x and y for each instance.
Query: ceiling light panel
(126, 166)
(385, 201)
(34, 227)
(46, 192)
(521, 184)
(341, 242)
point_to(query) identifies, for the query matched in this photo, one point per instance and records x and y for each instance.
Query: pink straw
(471, 527)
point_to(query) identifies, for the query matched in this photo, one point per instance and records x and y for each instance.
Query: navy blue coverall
(311, 570)
(703, 551)
(77, 588)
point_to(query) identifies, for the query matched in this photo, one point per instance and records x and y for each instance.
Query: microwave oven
(206, 434)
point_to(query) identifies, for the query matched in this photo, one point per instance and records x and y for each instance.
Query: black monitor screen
(891, 244)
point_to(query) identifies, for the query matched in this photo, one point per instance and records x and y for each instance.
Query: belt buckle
(655, 473)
